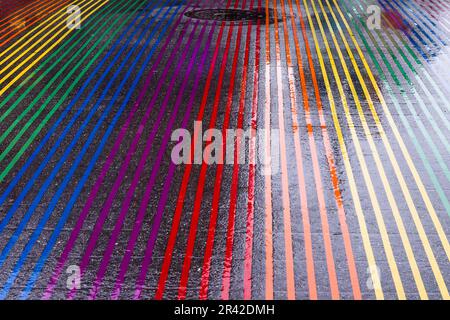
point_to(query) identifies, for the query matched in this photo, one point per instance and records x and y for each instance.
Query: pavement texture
(119, 179)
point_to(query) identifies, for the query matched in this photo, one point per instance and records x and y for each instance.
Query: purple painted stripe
(156, 165)
(112, 195)
(167, 183)
(138, 173)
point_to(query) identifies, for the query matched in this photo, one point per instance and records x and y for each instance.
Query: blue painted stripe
(68, 208)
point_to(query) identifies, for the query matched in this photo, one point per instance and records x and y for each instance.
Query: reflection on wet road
(338, 189)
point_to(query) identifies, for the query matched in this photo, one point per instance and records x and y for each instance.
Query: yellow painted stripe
(94, 7)
(410, 203)
(28, 45)
(378, 162)
(36, 31)
(348, 168)
(378, 214)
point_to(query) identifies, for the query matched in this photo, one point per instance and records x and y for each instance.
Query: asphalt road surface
(248, 149)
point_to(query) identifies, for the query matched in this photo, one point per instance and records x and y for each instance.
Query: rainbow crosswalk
(352, 201)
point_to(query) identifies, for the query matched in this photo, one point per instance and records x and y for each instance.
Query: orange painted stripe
(328, 150)
(22, 13)
(290, 279)
(310, 270)
(41, 16)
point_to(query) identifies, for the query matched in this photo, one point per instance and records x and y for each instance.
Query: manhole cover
(231, 15)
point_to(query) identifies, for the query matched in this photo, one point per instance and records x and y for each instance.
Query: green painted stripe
(416, 74)
(92, 22)
(48, 70)
(425, 109)
(399, 110)
(30, 140)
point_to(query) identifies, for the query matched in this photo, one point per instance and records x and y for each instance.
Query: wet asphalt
(403, 179)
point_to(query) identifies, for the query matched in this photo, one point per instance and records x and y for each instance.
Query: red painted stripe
(226, 276)
(248, 254)
(203, 171)
(184, 184)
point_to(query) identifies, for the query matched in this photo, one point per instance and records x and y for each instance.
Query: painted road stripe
(109, 161)
(138, 173)
(49, 84)
(162, 202)
(41, 12)
(116, 118)
(411, 108)
(56, 54)
(229, 242)
(341, 212)
(228, 255)
(380, 221)
(410, 163)
(61, 223)
(249, 234)
(20, 13)
(125, 208)
(374, 151)
(35, 32)
(410, 203)
(268, 219)
(435, 87)
(50, 113)
(182, 288)
(331, 162)
(426, 7)
(423, 26)
(415, 30)
(334, 26)
(440, 6)
(160, 210)
(378, 162)
(423, 105)
(286, 203)
(29, 161)
(66, 180)
(82, 217)
(199, 193)
(312, 287)
(431, 54)
(89, 10)
(95, 87)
